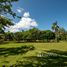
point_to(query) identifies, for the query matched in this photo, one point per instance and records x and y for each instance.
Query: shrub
(2, 38)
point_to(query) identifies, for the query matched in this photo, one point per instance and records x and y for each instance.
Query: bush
(2, 37)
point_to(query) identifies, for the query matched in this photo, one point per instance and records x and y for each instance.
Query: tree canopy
(6, 7)
(4, 22)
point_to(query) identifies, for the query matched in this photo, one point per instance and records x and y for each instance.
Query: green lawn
(12, 52)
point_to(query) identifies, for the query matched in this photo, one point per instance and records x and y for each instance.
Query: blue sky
(45, 12)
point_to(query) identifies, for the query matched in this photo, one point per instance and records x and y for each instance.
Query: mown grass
(12, 52)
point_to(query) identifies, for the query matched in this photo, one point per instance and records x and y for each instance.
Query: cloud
(20, 10)
(24, 24)
(26, 14)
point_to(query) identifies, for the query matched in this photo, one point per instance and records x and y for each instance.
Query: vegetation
(32, 35)
(33, 47)
(36, 35)
(33, 54)
(6, 7)
(55, 27)
(4, 22)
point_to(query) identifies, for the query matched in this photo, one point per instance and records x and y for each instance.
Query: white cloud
(26, 14)
(24, 24)
(20, 10)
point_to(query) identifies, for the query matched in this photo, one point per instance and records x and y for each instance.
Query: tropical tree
(34, 34)
(18, 36)
(62, 34)
(46, 35)
(9, 36)
(31, 35)
(55, 28)
(6, 7)
(2, 37)
(4, 22)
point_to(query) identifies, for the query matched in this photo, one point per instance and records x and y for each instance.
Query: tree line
(32, 35)
(35, 35)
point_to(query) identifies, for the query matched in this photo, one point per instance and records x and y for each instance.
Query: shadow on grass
(52, 58)
(14, 51)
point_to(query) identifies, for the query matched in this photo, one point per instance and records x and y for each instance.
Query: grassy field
(12, 52)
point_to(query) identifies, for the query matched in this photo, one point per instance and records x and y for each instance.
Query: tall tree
(55, 28)
(6, 8)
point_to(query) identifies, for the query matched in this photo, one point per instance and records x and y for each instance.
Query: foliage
(6, 7)
(2, 38)
(62, 34)
(18, 36)
(47, 35)
(36, 35)
(4, 22)
(33, 35)
(9, 36)
(55, 28)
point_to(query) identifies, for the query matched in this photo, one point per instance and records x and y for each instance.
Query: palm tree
(55, 28)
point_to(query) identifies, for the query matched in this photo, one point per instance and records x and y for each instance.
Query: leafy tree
(34, 34)
(2, 38)
(62, 34)
(6, 7)
(9, 36)
(47, 35)
(29, 35)
(4, 22)
(18, 36)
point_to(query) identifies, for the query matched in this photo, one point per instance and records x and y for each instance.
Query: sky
(40, 14)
